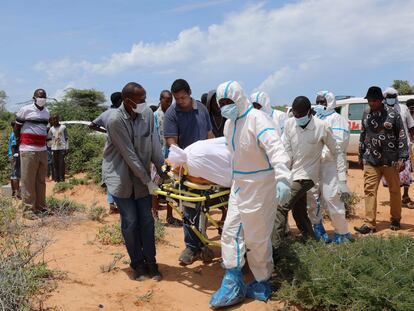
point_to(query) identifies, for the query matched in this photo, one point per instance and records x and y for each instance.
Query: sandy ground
(76, 251)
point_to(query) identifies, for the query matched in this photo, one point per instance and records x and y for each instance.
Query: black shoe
(141, 273)
(395, 225)
(364, 229)
(188, 256)
(153, 272)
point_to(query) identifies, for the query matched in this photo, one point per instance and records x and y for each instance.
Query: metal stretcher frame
(181, 190)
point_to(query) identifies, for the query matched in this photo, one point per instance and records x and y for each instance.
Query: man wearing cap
(391, 99)
(383, 151)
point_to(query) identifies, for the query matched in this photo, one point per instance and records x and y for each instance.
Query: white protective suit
(278, 117)
(326, 193)
(259, 162)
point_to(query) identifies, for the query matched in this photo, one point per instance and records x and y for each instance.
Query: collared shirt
(131, 147)
(304, 147)
(33, 133)
(383, 140)
(188, 126)
(58, 136)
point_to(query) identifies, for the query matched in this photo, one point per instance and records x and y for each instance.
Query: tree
(85, 98)
(84, 105)
(403, 87)
(3, 97)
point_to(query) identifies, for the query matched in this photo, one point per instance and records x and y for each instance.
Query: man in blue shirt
(185, 122)
(13, 153)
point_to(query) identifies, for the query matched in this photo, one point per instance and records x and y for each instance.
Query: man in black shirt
(383, 151)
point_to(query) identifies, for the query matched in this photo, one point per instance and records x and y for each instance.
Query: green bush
(62, 187)
(8, 216)
(4, 158)
(97, 213)
(110, 235)
(85, 148)
(373, 273)
(62, 207)
(159, 230)
(94, 169)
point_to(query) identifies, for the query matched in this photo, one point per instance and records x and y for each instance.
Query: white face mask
(139, 108)
(41, 102)
(391, 101)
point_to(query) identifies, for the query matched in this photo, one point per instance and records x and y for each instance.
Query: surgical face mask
(139, 108)
(41, 102)
(320, 110)
(303, 120)
(230, 111)
(391, 101)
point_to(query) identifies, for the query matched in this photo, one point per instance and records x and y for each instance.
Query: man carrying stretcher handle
(260, 182)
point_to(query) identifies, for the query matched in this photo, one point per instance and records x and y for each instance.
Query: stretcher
(186, 191)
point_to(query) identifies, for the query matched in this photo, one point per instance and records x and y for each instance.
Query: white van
(352, 109)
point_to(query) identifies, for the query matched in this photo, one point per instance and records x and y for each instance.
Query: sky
(285, 48)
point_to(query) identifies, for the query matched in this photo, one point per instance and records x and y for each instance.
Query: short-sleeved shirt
(383, 140)
(102, 119)
(58, 137)
(12, 142)
(188, 126)
(33, 133)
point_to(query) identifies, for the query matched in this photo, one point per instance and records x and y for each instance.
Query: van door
(355, 111)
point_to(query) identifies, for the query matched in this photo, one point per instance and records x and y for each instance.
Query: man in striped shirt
(31, 134)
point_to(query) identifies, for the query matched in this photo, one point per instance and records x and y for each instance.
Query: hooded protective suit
(278, 117)
(327, 193)
(259, 164)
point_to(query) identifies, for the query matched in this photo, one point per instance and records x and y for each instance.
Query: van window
(355, 111)
(338, 109)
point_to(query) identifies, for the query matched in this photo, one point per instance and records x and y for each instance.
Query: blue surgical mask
(303, 120)
(320, 110)
(230, 111)
(391, 101)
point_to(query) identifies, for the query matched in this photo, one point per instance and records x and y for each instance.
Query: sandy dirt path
(76, 251)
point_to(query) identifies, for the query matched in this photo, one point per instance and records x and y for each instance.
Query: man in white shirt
(304, 138)
(31, 133)
(60, 147)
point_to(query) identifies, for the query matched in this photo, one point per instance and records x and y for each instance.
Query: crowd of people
(280, 163)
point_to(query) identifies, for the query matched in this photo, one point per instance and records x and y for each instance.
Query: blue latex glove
(259, 290)
(231, 291)
(282, 192)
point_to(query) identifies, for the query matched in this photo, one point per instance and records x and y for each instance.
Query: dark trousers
(298, 205)
(137, 225)
(59, 165)
(190, 238)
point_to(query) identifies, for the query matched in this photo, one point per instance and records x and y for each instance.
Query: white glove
(344, 190)
(152, 186)
(282, 192)
(16, 155)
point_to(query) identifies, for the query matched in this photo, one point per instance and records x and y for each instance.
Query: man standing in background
(59, 140)
(14, 157)
(31, 133)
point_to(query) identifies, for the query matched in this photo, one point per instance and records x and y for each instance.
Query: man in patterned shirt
(383, 151)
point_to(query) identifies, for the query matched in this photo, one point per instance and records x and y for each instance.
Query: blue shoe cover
(259, 290)
(342, 238)
(321, 234)
(231, 291)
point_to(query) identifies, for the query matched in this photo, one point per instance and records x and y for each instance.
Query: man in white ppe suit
(304, 138)
(261, 101)
(260, 182)
(330, 192)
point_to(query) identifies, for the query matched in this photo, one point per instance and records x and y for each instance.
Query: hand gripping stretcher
(183, 190)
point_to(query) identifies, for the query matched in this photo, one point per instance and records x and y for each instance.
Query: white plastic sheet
(209, 159)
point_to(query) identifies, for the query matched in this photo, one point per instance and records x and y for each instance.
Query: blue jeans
(110, 198)
(137, 225)
(190, 238)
